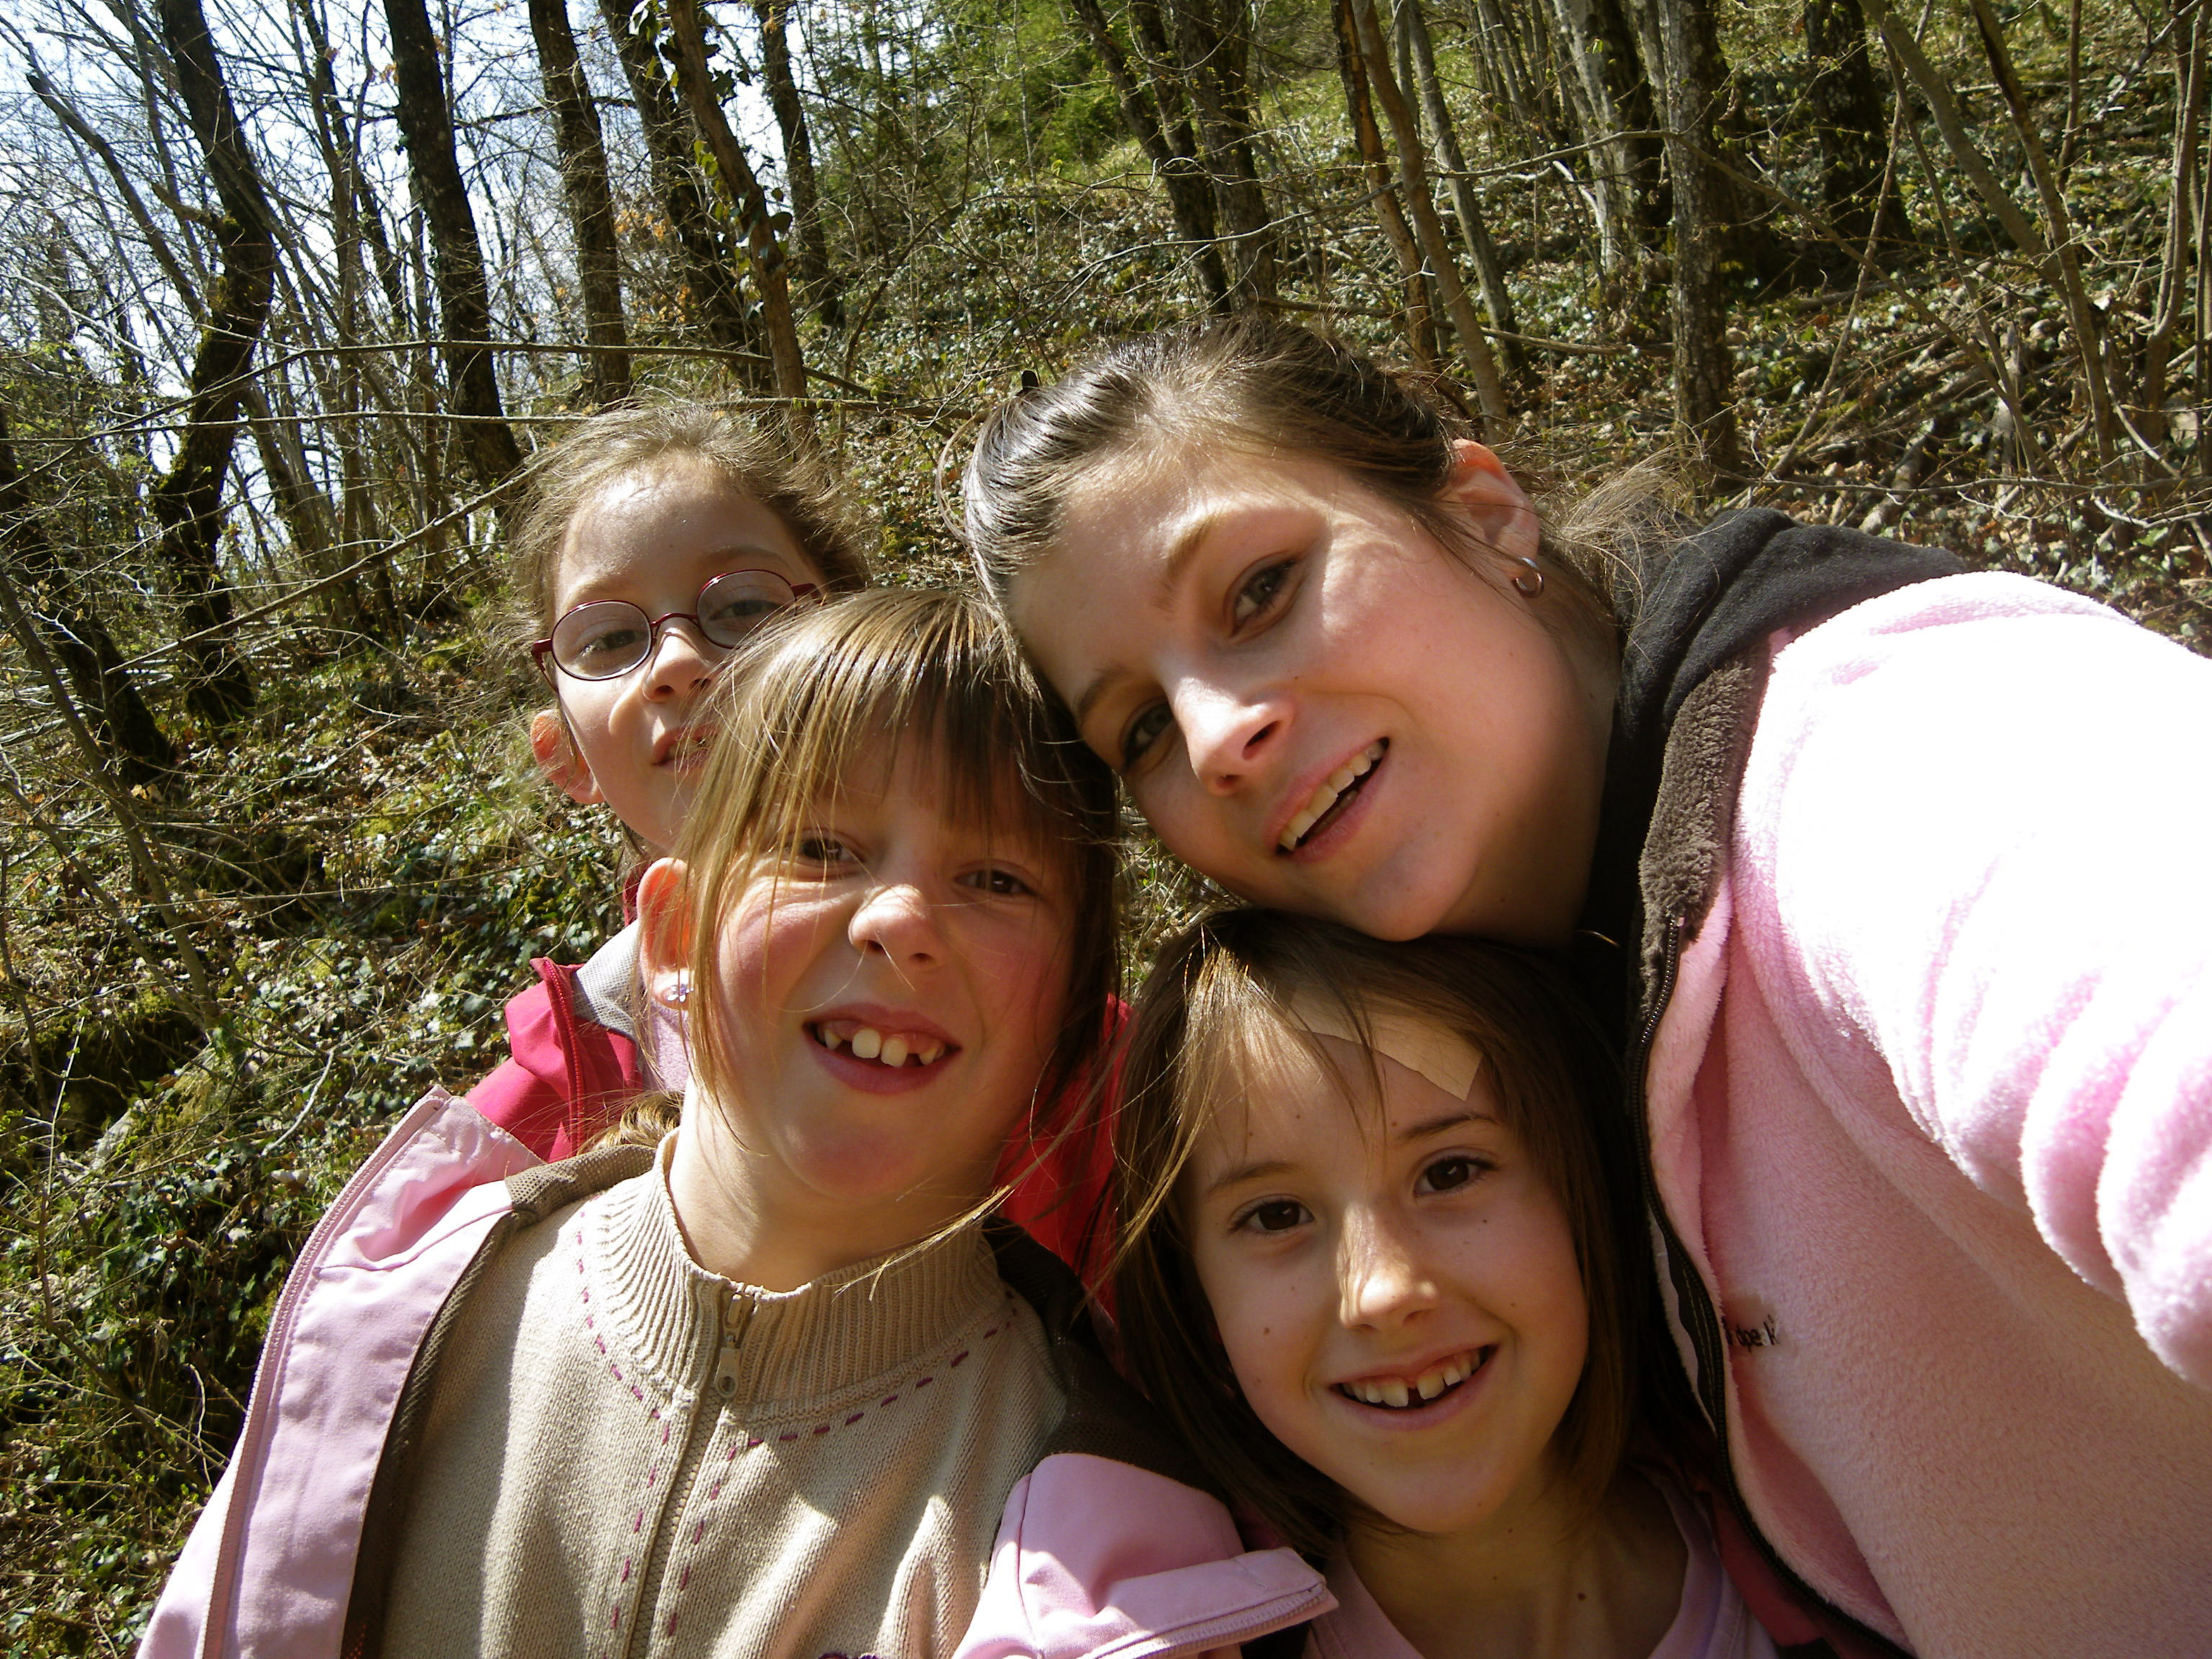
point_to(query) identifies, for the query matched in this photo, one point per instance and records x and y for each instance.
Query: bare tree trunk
(464, 300)
(1188, 172)
(591, 205)
(1212, 44)
(1382, 186)
(2189, 54)
(1681, 51)
(1189, 200)
(749, 204)
(117, 714)
(709, 265)
(1467, 207)
(301, 506)
(188, 498)
(816, 273)
(1613, 104)
(2088, 337)
(1851, 130)
(1421, 208)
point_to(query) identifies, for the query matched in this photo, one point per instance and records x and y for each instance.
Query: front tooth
(867, 1042)
(1395, 1393)
(894, 1051)
(1430, 1383)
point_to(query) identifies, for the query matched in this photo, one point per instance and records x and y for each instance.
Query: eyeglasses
(608, 638)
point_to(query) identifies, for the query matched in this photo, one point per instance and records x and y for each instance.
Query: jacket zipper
(1699, 1318)
(733, 1319)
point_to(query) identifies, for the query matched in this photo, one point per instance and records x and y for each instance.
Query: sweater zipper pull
(737, 1317)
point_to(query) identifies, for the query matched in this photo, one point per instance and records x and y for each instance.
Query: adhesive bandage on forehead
(1422, 1046)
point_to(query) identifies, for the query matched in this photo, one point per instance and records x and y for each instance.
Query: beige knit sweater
(625, 1455)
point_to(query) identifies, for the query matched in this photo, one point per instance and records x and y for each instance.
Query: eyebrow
(1239, 1173)
(1438, 1124)
(1259, 1169)
(1181, 551)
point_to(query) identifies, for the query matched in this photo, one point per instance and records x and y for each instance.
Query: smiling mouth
(1331, 796)
(1401, 1393)
(890, 1048)
(690, 747)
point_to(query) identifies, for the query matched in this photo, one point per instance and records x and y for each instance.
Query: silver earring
(680, 992)
(1530, 579)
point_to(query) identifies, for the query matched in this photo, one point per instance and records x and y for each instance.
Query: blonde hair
(1234, 976)
(851, 684)
(790, 481)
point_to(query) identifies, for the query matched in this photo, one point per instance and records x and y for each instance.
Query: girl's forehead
(976, 793)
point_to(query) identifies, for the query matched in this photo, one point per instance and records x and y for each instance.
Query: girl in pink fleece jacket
(1376, 1270)
(1894, 875)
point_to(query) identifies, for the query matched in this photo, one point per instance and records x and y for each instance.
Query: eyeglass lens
(608, 638)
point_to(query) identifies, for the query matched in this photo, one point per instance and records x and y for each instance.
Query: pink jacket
(1929, 1109)
(1710, 1621)
(1094, 1557)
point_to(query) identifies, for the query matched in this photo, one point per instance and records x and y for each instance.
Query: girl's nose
(681, 661)
(897, 921)
(1228, 736)
(1380, 1277)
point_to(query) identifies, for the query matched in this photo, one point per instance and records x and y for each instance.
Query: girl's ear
(556, 753)
(1503, 516)
(663, 944)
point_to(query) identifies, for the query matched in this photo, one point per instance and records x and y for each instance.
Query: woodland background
(288, 294)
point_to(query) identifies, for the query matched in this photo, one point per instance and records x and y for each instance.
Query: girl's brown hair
(790, 481)
(1255, 384)
(1233, 978)
(849, 685)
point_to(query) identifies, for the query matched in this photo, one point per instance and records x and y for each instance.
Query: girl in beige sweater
(771, 1385)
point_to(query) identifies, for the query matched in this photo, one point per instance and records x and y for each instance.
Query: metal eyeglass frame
(541, 651)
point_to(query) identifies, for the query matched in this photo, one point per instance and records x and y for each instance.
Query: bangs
(851, 690)
(830, 698)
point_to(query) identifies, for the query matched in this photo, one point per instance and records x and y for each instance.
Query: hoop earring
(1529, 581)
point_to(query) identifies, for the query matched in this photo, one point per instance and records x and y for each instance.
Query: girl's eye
(822, 849)
(608, 642)
(1143, 732)
(1447, 1173)
(1000, 884)
(1274, 1215)
(1260, 592)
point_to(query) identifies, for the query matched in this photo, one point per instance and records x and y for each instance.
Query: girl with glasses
(653, 540)
(1903, 865)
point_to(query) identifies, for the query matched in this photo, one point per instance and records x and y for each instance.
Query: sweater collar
(692, 1328)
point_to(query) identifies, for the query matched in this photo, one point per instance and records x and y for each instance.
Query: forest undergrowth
(347, 883)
